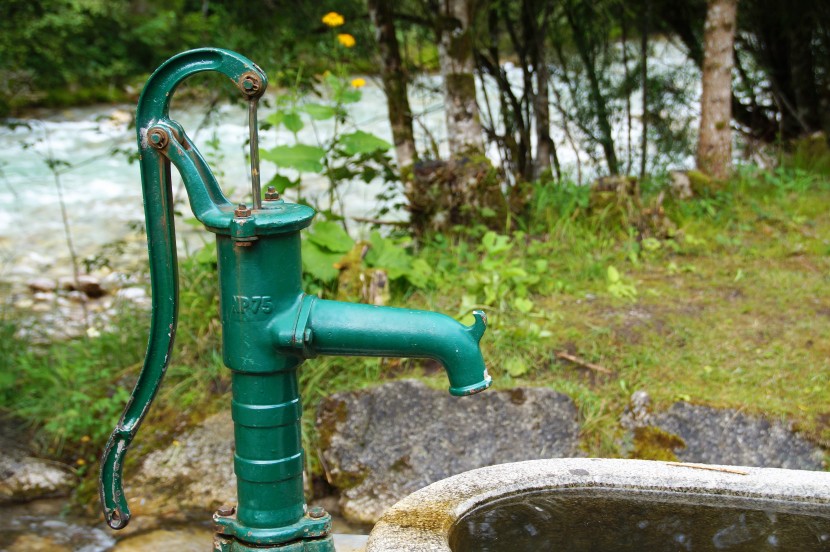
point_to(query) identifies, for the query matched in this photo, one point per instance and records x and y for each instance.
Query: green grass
(732, 310)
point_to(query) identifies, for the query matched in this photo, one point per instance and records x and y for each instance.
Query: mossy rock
(653, 443)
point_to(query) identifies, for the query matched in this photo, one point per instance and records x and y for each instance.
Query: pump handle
(152, 115)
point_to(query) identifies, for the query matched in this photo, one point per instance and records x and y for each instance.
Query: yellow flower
(333, 19)
(346, 40)
(80, 462)
(86, 439)
(358, 82)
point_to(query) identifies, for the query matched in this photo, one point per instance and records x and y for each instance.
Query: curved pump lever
(205, 197)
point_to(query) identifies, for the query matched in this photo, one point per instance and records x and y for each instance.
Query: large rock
(380, 444)
(187, 480)
(726, 436)
(701, 434)
(24, 478)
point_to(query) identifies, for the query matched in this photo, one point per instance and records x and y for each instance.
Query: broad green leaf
(206, 255)
(514, 273)
(276, 118)
(494, 243)
(302, 157)
(420, 273)
(293, 122)
(523, 304)
(348, 95)
(613, 275)
(331, 236)
(319, 112)
(362, 142)
(288, 118)
(319, 262)
(516, 366)
(386, 254)
(282, 183)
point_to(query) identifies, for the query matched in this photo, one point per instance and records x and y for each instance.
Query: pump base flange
(224, 543)
(306, 528)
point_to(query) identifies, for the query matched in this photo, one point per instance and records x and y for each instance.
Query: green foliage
(61, 52)
(323, 247)
(393, 256)
(344, 157)
(360, 142)
(74, 390)
(757, 348)
(326, 245)
(301, 157)
(618, 287)
(502, 280)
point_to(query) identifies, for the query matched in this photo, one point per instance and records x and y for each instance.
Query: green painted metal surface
(269, 325)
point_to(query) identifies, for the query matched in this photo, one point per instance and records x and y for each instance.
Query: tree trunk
(714, 151)
(644, 84)
(584, 49)
(455, 52)
(394, 82)
(545, 148)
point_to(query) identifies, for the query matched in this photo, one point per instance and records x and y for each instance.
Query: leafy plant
(349, 154)
(618, 287)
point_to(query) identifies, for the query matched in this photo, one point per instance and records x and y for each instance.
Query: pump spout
(335, 328)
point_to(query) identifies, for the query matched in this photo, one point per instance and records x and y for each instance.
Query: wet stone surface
(187, 480)
(383, 443)
(706, 435)
(727, 436)
(24, 477)
(41, 526)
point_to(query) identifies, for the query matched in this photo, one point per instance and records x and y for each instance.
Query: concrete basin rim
(423, 520)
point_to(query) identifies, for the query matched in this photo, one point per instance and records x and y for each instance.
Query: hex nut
(316, 512)
(271, 194)
(242, 211)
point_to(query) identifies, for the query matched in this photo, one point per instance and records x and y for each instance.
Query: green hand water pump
(269, 326)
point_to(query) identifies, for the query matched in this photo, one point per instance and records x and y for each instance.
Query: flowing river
(90, 148)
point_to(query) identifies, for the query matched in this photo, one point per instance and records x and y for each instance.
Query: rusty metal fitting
(242, 211)
(157, 138)
(226, 510)
(316, 512)
(250, 84)
(271, 194)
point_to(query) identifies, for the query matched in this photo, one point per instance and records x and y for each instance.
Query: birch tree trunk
(394, 82)
(455, 52)
(714, 150)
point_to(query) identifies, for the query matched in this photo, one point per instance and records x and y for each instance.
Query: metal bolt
(316, 512)
(226, 510)
(242, 211)
(157, 138)
(250, 84)
(271, 194)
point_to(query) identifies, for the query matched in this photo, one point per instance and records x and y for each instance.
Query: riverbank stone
(380, 444)
(42, 285)
(187, 480)
(25, 477)
(706, 435)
